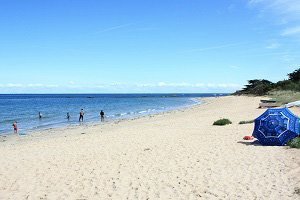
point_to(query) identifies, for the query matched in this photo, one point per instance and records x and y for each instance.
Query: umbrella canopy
(276, 126)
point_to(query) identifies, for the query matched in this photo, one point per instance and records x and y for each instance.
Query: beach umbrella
(276, 126)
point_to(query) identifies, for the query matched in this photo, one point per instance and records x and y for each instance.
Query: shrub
(294, 143)
(287, 85)
(246, 122)
(222, 122)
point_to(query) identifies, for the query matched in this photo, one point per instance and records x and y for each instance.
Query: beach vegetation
(284, 96)
(295, 75)
(284, 91)
(256, 87)
(246, 122)
(294, 143)
(222, 122)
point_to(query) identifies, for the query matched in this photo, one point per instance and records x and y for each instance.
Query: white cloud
(287, 58)
(51, 86)
(117, 84)
(286, 10)
(199, 85)
(234, 67)
(114, 28)
(161, 84)
(119, 87)
(210, 85)
(229, 85)
(30, 85)
(100, 86)
(273, 45)
(291, 31)
(231, 7)
(34, 85)
(286, 13)
(12, 85)
(144, 85)
(218, 47)
(190, 85)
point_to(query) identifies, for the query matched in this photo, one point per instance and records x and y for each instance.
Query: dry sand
(176, 155)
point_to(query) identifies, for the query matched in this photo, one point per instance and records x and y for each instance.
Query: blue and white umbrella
(276, 126)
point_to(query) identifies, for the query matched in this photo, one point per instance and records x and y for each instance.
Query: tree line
(259, 87)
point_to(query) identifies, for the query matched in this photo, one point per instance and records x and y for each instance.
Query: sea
(25, 108)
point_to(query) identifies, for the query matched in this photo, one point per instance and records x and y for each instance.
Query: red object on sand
(247, 137)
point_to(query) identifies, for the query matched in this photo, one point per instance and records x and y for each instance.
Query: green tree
(256, 87)
(295, 75)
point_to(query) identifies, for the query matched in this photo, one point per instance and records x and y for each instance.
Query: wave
(195, 100)
(143, 111)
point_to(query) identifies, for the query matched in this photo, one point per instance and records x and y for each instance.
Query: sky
(148, 46)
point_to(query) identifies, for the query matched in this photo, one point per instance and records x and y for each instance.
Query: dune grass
(284, 97)
(222, 122)
(294, 143)
(246, 122)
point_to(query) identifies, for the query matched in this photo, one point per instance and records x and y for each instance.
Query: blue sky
(110, 46)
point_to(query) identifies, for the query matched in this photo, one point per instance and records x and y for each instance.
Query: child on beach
(15, 125)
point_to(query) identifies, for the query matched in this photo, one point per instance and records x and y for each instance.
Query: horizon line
(121, 93)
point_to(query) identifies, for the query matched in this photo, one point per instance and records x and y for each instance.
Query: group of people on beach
(81, 114)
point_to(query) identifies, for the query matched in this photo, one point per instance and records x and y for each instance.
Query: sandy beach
(174, 155)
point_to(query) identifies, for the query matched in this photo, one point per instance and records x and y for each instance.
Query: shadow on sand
(254, 143)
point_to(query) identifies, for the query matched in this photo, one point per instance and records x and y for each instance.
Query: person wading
(102, 116)
(81, 115)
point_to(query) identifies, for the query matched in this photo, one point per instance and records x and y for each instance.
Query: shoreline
(68, 127)
(116, 106)
(175, 155)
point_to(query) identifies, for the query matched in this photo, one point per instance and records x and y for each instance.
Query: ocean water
(24, 108)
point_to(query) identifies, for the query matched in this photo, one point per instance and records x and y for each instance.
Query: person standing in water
(81, 115)
(15, 126)
(40, 115)
(68, 116)
(102, 116)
